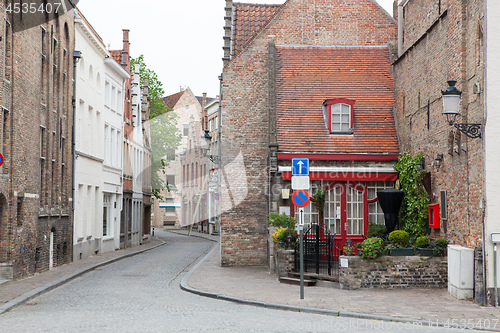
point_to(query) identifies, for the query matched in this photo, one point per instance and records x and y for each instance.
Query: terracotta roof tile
(248, 20)
(307, 76)
(171, 101)
(117, 55)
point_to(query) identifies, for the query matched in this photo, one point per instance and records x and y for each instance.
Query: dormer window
(338, 115)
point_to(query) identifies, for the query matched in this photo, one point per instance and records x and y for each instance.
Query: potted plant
(284, 237)
(371, 248)
(399, 244)
(423, 246)
(439, 246)
(284, 233)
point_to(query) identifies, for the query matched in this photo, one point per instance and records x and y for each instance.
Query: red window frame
(341, 100)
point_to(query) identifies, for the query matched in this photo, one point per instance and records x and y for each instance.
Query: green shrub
(422, 241)
(281, 235)
(376, 230)
(399, 238)
(371, 248)
(439, 245)
(281, 220)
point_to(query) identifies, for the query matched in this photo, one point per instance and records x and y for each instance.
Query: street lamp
(451, 108)
(208, 140)
(205, 147)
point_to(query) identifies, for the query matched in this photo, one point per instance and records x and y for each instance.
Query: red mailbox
(434, 216)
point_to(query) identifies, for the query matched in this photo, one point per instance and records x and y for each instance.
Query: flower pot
(402, 252)
(426, 252)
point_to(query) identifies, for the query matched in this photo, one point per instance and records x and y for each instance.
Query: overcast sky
(181, 40)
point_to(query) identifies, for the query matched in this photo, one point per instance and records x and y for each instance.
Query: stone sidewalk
(256, 285)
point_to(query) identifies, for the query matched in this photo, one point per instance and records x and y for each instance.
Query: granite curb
(184, 285)
(54, 284)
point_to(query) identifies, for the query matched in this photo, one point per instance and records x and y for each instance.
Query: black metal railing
(321, 252)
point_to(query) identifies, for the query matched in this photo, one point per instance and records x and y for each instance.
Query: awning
(170, 205)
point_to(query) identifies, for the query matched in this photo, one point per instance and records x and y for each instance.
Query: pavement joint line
(26, 297)
(184, 285)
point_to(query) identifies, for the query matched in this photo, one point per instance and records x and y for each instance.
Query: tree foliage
(414, 209)
(157, 106)
(165, 136)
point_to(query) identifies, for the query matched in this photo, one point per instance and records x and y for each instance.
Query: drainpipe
(76, 57)
(219, 154)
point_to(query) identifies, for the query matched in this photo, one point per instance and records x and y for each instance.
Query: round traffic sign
(300, 198)
(1, 159)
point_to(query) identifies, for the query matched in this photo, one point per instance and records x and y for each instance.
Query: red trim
(346, 176)
(339, 157)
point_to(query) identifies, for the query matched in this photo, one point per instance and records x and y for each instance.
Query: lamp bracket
(213, 158)
(471, 130)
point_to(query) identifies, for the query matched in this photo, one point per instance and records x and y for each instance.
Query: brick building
(257, 39)
(36, 224)
(173, 210)
(440, 41)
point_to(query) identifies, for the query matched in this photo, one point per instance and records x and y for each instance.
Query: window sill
(342, 133)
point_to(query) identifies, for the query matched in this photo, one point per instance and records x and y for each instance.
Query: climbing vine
(414, 209)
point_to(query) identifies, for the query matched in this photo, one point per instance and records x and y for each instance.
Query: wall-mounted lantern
(437, 161)
(451, 108)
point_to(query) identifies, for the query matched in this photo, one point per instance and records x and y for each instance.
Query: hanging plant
(414, 209)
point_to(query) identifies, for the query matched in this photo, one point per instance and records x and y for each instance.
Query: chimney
(204, 114)
(126, 50)
(228, 20)
(145, 100)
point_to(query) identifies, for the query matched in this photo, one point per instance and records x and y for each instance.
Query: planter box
(426, 252)
(402, 252)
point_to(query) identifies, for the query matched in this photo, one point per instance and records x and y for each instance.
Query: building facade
(36, 224)
(112, 201)
(440, 41)
(169, 212)
(250, 97)
(89, 138)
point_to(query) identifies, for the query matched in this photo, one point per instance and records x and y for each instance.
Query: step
(314, 276)
(296, 282)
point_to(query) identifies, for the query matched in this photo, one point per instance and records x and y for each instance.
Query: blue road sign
(300, 167)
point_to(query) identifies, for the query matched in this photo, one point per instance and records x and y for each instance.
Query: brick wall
(388, 272)
(37, 128)
(246, 107)
(442, 40)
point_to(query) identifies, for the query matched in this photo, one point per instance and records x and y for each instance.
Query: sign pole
(301, 233)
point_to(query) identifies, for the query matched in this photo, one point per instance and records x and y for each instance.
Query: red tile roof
(307, 76)
(117, 55)
(248, 20)
(171, 100)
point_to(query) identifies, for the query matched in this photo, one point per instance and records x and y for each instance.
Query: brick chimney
(228, 20)
(204, 115)
(126, 50)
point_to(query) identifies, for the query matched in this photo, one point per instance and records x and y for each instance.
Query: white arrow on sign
(301, 216)
(301, 164)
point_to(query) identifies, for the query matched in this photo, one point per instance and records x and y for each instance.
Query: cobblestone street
(142, 294)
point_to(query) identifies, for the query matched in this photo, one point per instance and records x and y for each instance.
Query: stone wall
(389, 272)
(285, 261)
